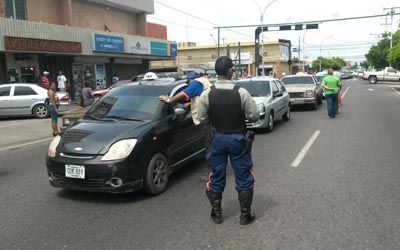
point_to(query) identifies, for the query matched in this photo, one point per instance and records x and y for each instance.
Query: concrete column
(141, 21)
(65, 10)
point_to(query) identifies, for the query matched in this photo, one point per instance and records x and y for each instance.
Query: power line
(182, 25)
(199, 18)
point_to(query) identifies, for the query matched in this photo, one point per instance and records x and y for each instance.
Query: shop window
(15, 9)
(5, 91)
(28, 74)
(24, 91)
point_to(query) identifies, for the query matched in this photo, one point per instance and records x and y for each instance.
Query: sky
(193, 21)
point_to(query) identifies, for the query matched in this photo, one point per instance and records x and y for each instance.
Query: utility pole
(392, 11)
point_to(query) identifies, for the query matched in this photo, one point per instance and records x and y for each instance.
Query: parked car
(127, 141)
(271, 98)
(303, 89)
(388, 74)
(24, 99)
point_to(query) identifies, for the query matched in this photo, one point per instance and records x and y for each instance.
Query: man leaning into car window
(191, 93)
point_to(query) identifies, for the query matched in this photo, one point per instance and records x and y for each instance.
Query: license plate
(75, 171)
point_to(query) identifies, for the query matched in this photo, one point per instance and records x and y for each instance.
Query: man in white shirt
(61, 81)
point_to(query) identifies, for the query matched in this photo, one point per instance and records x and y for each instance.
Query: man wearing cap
(44, 80)
(191, 93)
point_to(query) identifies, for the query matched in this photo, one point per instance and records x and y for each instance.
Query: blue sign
(104, 43)
(173, 49)
(159, 49)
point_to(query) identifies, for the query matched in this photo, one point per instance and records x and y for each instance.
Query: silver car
(18, 99)
(271, 98)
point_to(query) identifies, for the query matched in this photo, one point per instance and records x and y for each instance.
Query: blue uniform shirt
(195, 88)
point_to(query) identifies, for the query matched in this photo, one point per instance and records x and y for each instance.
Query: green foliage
(378, 54)
(365, 64)
(394, 56)
(335, 63)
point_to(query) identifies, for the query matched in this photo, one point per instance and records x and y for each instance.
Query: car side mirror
(180, 111)
(278, 94)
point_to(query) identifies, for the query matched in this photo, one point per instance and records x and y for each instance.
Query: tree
(378, 54)
(394, 56)
(335, 63)
(365, 64)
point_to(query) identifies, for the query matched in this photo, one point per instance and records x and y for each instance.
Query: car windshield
(297, 80)
(256, 88)
(126, 104)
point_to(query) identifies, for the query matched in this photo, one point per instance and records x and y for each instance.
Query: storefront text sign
(138, 46)
(33, 44)
(159, 49)
(105, 43)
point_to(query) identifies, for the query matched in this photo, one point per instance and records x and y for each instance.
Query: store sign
(173, 49)
(159, 49)
(42, 45)
(138, 46)
(111, 44)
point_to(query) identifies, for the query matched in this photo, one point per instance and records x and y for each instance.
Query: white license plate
(75, 171)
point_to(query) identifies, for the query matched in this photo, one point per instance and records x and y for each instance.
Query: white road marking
(396, 91)
(26, 144)
(371, 89)
(305, 149)
(345, 92)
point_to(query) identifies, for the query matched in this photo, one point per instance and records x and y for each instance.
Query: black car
(127, 141)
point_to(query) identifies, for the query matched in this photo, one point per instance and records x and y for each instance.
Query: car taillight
(64, 98)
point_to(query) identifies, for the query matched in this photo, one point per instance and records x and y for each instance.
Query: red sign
(33, 44)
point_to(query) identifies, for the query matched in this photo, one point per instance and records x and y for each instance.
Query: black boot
(216, 210)
(245, 199)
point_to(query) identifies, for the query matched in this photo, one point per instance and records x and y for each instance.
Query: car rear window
(256, 88)
(297, 80)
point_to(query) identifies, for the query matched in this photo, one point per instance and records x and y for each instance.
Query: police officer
(226, 108)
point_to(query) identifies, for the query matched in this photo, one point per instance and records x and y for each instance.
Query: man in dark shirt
(226, 107)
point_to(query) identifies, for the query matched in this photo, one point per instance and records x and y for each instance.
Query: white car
(271, 98)
(18, 99)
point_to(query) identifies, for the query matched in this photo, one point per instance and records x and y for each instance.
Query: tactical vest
(225, 110)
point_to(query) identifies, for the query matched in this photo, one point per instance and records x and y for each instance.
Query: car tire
(157, 175)
(40, 111)
(373, 80)
(270, 124)
(286, 116)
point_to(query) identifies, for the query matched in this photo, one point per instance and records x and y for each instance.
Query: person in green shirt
(331, 86)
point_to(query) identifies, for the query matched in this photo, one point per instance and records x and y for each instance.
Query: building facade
(276, 56)
(90, 40)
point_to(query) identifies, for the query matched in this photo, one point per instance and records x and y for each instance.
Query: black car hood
(94, 137)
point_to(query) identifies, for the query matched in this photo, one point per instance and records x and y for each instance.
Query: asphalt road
(344, 194)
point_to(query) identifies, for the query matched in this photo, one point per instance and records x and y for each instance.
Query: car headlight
(309, 93)
(120, 150)
(261, 108)
(53, 145)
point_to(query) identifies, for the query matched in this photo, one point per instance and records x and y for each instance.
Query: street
(343, 194)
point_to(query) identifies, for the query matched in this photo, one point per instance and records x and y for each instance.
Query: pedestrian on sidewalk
(226, 107)
(53, 102)
(86, 95)
(61, 81)
(330, 85)
(44, 80)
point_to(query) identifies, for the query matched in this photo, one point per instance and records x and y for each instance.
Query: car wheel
(286, 116)
(270, 125)
(40, 111)
(157, 175)
(373, 80)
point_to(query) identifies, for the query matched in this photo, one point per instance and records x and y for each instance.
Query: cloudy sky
(193, 21)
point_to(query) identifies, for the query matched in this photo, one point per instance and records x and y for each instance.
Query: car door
(285, 96)
(391, 75)
(22, 100)
(277, 100)
(5, 100)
